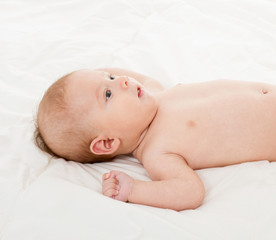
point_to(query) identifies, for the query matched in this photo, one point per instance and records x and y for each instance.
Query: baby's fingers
(108, 175)
(110, 184)
(105, 176)
(110, 187)
(111, 192)
(110, 180)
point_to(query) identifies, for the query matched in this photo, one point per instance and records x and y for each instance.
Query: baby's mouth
(139, 92)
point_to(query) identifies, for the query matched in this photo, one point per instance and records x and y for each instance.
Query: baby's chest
(174, 130)
(213, 129)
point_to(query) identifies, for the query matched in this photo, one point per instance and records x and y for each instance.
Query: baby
(95, 115)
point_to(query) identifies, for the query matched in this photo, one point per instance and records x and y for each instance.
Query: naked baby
(95, 115)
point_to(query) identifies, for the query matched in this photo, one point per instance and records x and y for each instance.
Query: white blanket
(170, 40)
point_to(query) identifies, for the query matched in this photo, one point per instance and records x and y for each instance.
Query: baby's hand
(117, 185)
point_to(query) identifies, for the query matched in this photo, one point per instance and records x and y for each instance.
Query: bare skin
(214, 124)
(194, 126)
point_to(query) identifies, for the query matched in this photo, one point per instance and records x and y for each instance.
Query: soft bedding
(170, 40)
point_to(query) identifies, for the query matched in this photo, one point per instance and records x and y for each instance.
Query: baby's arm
(175, 185)
(147, 81)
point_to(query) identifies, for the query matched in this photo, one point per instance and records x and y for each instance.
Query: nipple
(191, 124)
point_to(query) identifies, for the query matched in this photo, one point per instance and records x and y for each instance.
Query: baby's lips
(140, 91)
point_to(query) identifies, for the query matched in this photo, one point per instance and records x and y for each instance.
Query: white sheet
(171, 40)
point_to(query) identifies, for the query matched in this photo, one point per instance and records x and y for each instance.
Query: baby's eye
(107, 94)
(111, 77)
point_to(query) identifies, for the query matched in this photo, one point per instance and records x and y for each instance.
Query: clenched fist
(117, 185)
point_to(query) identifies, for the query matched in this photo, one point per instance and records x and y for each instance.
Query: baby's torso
(215, 123)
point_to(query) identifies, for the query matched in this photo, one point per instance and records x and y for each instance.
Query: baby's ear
(104, 146)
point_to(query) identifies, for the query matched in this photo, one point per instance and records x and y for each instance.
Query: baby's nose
(124, 81)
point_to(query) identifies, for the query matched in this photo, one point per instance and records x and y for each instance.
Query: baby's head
(91, 116)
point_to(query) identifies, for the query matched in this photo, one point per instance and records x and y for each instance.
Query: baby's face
(118, 106)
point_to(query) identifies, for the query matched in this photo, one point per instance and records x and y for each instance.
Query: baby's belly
(227, 129)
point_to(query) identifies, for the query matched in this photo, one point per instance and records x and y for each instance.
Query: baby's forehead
(83, 86)
(89, 74)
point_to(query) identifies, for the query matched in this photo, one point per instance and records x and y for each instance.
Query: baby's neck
(136, 150)
(133, 148)
(141, 138)
(140, 144)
